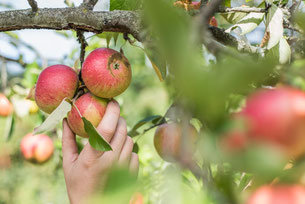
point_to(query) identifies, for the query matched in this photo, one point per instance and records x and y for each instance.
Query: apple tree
(212, 90)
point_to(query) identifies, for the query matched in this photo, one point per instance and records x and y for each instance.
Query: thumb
(69, 146)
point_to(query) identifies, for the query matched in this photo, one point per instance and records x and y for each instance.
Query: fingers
(125, 155)
(106, 128)
(69, 146)
(109, 122)
(117, 141)
(134, 163)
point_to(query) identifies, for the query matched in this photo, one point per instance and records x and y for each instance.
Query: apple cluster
(273, 117)
(105, 73)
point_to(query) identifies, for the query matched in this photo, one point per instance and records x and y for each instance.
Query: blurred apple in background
(6, 107)
(273, 117)
(37, 148)
(280, 194)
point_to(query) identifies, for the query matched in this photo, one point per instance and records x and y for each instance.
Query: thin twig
(203, 3)
(203, 20)
(295, 5)
(83, 45)
(241, 9)
(89, 4)
(3, 76)
(222, 9)
(33, 5)
(19, 61)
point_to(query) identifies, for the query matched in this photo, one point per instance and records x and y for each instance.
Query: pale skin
(86, 172)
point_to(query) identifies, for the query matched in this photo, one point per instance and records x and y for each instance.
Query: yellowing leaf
(54, 118)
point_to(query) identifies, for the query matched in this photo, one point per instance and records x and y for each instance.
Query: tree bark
(72, 19)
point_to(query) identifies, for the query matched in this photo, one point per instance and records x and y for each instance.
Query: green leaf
(133, 133)
(124, 4)
(95, 139)
(9, 127)
(226, 3)
(31, 74)
(157, 61)
(300, 19)
(69, 3)
(233, 17)
(108, 38)
(244, 181)
(155, 119)
(282, 51)
(248, 23)
(54, 118)
(146, 120)
(115, 37)
(135, 148)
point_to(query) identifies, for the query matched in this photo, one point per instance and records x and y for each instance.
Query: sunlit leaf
(274, 25)
(54, 118)
(284, 51)
(248, 23)
(157, 61)
(96, 140)
(233, 17)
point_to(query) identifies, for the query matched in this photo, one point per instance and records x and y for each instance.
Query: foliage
(175, 78)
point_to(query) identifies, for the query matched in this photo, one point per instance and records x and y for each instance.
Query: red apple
(5, 159)
(106, 73)
(137, 198)
(233, 141)
(277, 117)
(168, 141)
(213, 22)
(196, 5)
(91, 107)
(53, 85)
(281, 194)
(6, 107)
(37, 148)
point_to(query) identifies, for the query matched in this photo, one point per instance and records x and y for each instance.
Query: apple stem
(80, 115)
(80, 92)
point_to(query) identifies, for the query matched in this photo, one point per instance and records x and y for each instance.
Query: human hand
(86, 171)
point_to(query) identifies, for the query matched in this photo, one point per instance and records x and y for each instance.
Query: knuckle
(88, 163)
(112, 159)
(107, 131)
(122, 121)
(122, 128)
(135, 155)
(115, 108)
(129, 140)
